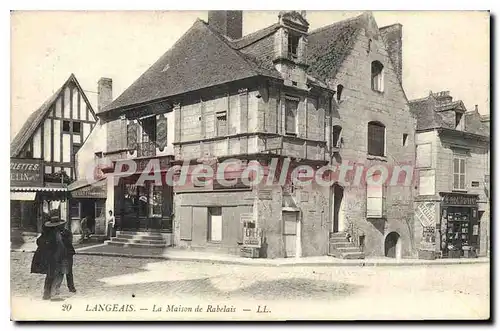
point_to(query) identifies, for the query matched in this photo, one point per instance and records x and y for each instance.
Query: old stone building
(452, 205)
(286, 95)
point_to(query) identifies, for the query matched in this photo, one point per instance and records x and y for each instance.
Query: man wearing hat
(52, 256)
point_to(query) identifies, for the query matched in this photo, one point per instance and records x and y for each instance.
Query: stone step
(348, 249)
(336, 244)
(149, 233)
(337, 235)
(353, 256)
(129, 244)
(139, 236)
(139, 241)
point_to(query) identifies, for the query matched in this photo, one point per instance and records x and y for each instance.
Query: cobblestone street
(460, 291)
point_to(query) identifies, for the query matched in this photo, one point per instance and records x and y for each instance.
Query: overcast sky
(441, 50)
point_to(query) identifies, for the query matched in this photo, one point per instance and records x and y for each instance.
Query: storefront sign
(96, 191)
(252, 237)
(26, 172)
(460, 199)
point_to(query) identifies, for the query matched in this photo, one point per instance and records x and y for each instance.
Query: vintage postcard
(250, 165)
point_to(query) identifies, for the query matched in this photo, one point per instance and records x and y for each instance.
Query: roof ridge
(110, 105)
(335, 23)
(29, 126)
(226, 42)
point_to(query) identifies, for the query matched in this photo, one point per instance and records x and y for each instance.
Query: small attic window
(377, 76)
(293, 45)
(66, 126)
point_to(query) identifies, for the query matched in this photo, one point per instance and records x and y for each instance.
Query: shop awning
(39, 189)
(23, 196)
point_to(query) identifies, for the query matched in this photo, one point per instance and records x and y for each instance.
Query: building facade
(43, 157)
(282, 94)
(452, 205)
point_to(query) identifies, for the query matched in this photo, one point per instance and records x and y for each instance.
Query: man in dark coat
(67, 238)
(51, 257)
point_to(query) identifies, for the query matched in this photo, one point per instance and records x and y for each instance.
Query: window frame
(219, 132)
(70, 127)
(288, 100)
(370, 151)
(79, 127)
(290, 49)
(459, 157)
(377, 80)
(383, 201)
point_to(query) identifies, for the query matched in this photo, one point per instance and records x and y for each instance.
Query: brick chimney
(393, 37)
(104, 93)
(227, 22)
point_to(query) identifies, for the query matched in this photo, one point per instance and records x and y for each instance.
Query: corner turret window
(377, 76)
(293, 46)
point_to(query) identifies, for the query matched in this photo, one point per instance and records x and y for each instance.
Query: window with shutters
(291, 107)
(377, 76)
(221, 123)
(376, 139)
(375, 199)
(459, 172)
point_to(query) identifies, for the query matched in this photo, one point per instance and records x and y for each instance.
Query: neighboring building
(43, 155)
(88, 193)
(312, 98)
(452, 205)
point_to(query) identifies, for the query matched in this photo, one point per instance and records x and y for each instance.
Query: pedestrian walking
(67, 237)
(111, 229)
(85, 229)
(51, 257)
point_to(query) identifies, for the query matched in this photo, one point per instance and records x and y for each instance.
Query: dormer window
(293, 46)
(377, 76)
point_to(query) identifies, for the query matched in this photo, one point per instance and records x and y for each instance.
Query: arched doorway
(392, 245)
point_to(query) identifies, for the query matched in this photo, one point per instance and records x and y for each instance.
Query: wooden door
(290, 233)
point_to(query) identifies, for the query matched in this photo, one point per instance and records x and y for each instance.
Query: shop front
(87, 202)
(144, 205)
(32, 201)
(459, 227)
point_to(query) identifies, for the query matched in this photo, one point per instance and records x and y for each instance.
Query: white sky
(441, 50)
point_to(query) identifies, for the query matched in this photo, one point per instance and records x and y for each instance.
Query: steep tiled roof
(199, 59)
(451, 105)
(427, 117)
(329, 46)
(34, 120)
(428, 114)
(253, 37)
(473, 124)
